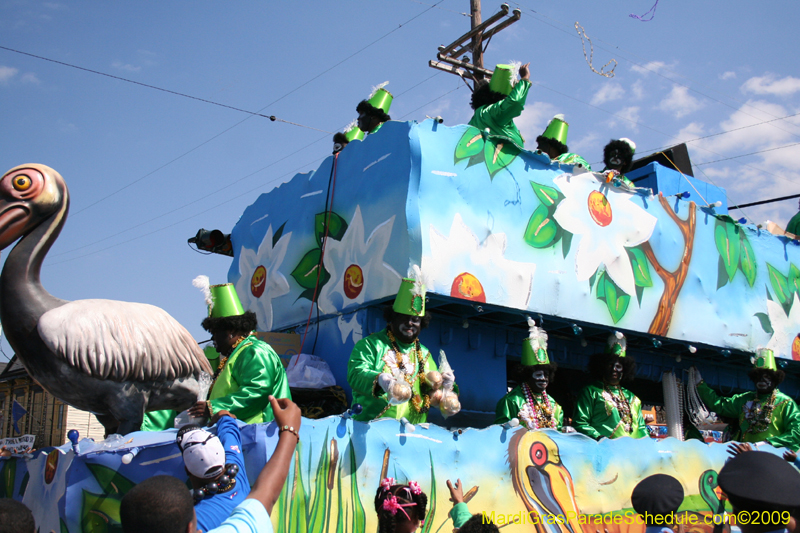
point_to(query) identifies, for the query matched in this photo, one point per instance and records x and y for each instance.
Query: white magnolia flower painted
(463, 267)
(261, 280)
(352, 326)
(605, 222)
(356, 266)
(784, 341)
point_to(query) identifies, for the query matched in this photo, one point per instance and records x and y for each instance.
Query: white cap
(203, 453)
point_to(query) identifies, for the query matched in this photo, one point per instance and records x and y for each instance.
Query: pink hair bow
(415, 488)
(391, 504)
(387, 483)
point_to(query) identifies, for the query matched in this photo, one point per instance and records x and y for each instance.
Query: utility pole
(477, 39)
(451, 58)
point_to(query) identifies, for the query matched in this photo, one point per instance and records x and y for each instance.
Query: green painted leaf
(549, 196)
(298, 511)
(431, 499)
(100, 513)
(766, 325)
(747, 260)
(319, 507)
(566, 242)
(780, 285)
(641, 267)
(591, 279)
(794, 278)
(277, 235)
(111, 481)
(541, 230)
(601, 286)
(722, 274)
(727, 240)
(336, 226)
(64, 528)
(498, 155)
(7, 475)
(639, 294)
(616, 300)
(305, 273)
(471, 144)
(359, 518)
(280, 509)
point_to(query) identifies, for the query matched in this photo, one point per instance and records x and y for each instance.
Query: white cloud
(769, 84)
(6, 73)
(125, 66)
(607, 93)
(638, 90)
(533, 121)
(648, 68)
(679, 102)
(29, 77)
(730, 75)
(626, 118)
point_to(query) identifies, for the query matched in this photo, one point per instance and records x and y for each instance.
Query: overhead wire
(212, 193)
(251, 114)
(745, 155)
(658, 73)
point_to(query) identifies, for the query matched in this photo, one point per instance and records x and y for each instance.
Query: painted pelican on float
(114, 359)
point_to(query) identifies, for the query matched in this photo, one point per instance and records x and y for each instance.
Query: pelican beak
(14, 216)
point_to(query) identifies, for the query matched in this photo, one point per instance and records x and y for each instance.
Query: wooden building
(46, 417)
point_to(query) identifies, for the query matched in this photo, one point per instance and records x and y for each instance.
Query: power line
(745, 155)
(273, 118)
(656, 72)
(226, 187)
(251, 114)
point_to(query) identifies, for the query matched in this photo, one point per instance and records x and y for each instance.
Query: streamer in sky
(652, 14)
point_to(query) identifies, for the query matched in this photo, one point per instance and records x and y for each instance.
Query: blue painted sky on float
(147, 168)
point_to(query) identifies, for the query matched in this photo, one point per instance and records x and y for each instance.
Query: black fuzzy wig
(236, 324)
(625, 152)
(389, 313)
(340, 138)
(777, 376)
(372, 111)
(522, 373)
(483, 95)
(599, 363)
(560, 147)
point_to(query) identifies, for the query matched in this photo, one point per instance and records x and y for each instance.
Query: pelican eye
(538, 453)
(22, 182)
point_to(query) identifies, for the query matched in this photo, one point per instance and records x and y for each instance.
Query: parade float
(502, 234)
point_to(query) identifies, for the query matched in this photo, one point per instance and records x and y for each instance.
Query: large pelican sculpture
(115, 359)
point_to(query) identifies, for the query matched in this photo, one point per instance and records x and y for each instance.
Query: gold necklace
(421, 404)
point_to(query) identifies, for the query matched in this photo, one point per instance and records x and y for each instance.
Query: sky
(121, 97)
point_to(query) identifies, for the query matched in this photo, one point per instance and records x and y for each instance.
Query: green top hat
(765, 359)
(534, 348)
(224, 301)
(381, 98)
(557, 129)
(617, 344)
(353, 133)
(502, 79)
(410, 299)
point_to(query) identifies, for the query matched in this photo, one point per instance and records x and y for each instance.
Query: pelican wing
(121, 341)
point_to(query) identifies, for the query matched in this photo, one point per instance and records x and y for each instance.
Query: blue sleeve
(249, 517)
(231, 439)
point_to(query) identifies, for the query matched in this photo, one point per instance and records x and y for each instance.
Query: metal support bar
(451, 69)
(491, 20)
(488, 35)
(464, 65)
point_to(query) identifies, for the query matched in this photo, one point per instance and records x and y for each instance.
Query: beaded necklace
(619, 402)
(759, 414)
(223, 362)
(537, 413)
(421, 404)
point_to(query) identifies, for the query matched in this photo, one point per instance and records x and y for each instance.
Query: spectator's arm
(270, 481)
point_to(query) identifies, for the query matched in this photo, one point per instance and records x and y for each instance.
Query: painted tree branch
(673, 281)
